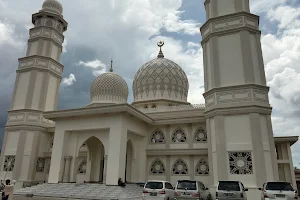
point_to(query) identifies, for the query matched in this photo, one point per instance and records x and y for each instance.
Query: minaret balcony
(229, 24)
(48, 33)
(40, 63)
(242, 98)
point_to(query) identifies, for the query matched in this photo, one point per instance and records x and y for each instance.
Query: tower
(36, 90)
(236, 96)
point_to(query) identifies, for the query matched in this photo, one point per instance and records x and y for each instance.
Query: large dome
(160, 79)
(109, 88)
(52, 6)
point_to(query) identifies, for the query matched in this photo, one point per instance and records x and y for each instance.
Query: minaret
(238, 113)
(36, 90)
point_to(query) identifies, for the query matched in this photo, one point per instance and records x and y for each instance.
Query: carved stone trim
(28, 117)
(40, 164)
(41, 62)
(236, 94)
(219, 25)
(46, 32)
(9, 163)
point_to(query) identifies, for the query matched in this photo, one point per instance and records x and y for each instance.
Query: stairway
(84, 191)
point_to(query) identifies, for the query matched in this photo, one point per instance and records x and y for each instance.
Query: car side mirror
(246, 189)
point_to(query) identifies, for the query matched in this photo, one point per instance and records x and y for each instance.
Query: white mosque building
(160, 135)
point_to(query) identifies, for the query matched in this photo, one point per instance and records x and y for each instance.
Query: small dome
(52, 6)
(160, 79)
(109, 88)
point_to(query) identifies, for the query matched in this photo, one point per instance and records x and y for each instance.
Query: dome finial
(160, 44)
(111, 66)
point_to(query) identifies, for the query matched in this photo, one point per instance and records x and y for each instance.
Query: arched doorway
(91, 165)
(129, 160)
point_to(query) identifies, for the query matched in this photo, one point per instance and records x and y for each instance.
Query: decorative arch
(202, 167)
(180, 167)
(179, 136)
(200, 135)
(157, 167)
(49, 23)
(82, 167)
(157, 137)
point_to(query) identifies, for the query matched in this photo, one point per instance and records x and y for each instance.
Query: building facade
(160, 135)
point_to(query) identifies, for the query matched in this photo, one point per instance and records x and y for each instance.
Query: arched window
(179, 167)
(179, 136)
(202, 167)
(82, 167)
(200, 135)
(157, 137)
(157, 167)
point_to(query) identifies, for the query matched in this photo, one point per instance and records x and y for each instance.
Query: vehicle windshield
(154, 185)
(187, 185)
(229, 186)
(281, 186)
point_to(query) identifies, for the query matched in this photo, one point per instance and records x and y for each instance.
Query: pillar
(66, 177)
(116, 161)
(105, 169)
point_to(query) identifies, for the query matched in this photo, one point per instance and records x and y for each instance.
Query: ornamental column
(66, 177)
(237, 106)
(105, 169)
(36, 90)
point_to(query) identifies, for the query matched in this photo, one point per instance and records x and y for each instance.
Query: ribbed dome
(109, 88)
(52, 6)
(160, 78)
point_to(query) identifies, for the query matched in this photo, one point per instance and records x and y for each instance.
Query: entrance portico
(103, 140)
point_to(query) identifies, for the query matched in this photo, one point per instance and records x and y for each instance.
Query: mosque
(160, 135)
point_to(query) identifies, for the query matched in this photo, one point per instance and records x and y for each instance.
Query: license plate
(280, 195)
(186, 193)
(153, 194)
(229, 194)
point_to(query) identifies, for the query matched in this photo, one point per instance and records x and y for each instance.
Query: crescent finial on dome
(160, 44)
(111, 66)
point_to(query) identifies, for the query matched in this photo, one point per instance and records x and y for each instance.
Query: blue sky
(129, 30)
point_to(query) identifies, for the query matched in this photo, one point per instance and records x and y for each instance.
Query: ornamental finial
(160, 44)
(111, 66)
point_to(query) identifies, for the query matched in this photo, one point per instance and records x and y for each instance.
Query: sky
(128, 31)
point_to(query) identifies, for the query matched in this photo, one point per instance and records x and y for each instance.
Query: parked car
(278, 190)
(158, 190)
(231, 190)
(186, 189)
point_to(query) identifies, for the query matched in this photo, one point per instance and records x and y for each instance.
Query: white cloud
(69, 81)
(94, 64)
(97, 66)
(64, 45)
(8, 36)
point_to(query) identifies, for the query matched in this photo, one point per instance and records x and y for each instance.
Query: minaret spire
(111, 66)
(160, 44)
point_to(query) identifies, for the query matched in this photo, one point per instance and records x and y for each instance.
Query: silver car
(188, 190)
(231, 190)
(278, 190)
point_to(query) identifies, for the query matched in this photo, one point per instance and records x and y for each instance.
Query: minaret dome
(52, 6)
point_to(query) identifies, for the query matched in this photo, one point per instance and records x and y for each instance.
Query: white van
(158, 190)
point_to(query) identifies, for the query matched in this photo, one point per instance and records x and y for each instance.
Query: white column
(66, 177)
(57, 159)
(116, 154)
(104, 169)
(291, 165)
